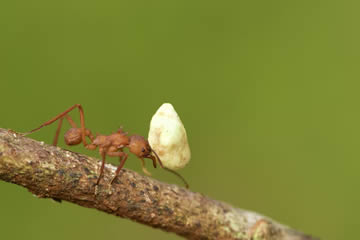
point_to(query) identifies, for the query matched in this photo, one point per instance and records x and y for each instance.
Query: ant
(111, 145)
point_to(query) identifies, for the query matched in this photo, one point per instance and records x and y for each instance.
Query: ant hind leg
(62, 115)
(56, 137)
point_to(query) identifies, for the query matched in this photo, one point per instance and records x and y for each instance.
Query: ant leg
(122, 157)
(71, 122)
(103, 155)
(56, 138)
(144, 168)
(55, 118)
(61, 115)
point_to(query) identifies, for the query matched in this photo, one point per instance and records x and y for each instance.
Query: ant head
(140, 146)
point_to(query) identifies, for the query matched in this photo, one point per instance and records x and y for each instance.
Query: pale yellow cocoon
(167, 137)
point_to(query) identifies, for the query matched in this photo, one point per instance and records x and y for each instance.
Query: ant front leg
(143, 167)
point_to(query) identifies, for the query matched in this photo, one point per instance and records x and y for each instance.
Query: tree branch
(51, 172)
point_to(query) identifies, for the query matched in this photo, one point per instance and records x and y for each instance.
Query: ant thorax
(116, 140)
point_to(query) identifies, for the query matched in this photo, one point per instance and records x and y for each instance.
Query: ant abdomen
(73, 136)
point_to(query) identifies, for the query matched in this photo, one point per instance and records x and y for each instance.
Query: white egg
(167, 137)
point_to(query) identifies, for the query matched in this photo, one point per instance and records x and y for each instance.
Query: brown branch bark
(51, 172)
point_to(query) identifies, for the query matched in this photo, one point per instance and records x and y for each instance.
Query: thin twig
(51, 172)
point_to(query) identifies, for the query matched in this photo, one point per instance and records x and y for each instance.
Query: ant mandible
(111, 145)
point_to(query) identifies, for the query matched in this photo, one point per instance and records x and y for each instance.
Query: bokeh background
(268, 92)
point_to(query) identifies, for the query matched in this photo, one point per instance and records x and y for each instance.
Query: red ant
(111, 145)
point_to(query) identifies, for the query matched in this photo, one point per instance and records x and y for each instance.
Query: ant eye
(143, 149)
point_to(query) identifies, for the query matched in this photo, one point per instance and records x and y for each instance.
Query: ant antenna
(170, 170)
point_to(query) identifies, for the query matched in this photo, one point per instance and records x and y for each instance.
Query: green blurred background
(267, 90)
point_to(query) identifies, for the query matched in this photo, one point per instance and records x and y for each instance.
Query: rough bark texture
(51, 172)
